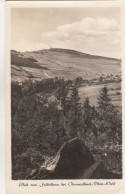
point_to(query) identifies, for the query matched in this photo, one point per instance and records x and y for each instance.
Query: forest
(47, 113)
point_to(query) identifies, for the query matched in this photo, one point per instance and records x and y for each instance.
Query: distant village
(101, 79)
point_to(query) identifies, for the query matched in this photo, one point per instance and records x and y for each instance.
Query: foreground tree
(109, 117)
(104, 100)
(89, 114)
(72, 113)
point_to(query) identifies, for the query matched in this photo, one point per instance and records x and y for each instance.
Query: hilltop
(74, 52)
(57, 62)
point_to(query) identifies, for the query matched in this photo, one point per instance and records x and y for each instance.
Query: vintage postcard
(64, 97)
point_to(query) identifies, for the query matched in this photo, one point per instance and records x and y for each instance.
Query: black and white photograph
(66, 96)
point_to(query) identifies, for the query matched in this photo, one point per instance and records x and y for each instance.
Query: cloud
(86, 27)
(89, 24)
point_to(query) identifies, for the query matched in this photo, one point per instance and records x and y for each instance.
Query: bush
(32, 59)
(118, 93)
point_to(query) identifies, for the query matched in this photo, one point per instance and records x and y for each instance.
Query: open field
(93, 92)
(69, 65)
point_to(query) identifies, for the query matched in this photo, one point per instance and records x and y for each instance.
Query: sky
(89, 30)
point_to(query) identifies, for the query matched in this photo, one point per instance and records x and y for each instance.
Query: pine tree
(73, 113)
(109, 120)
(104, 99)
(89, 114)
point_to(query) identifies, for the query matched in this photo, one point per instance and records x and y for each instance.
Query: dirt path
(47, 75)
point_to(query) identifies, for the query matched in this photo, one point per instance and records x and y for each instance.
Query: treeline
(40, 123)
(25, 62)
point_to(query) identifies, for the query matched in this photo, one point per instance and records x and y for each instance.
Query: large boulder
(71, 159)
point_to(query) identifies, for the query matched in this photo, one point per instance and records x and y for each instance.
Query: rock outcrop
(73, 161)
(73, 157)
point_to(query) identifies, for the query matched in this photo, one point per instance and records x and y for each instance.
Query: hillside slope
(61, 63)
